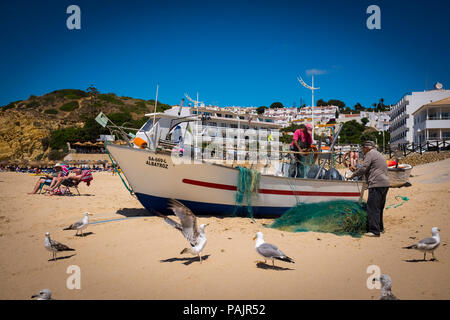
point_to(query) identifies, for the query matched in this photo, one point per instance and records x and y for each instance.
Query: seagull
(80, 225)
(55, 246)
(188, 227)
(386, 288)
(44, 294)
(427, 244)
(269, 251)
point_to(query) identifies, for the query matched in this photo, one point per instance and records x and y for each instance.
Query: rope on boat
(115, 168)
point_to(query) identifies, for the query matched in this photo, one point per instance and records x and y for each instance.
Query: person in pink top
(301, 142)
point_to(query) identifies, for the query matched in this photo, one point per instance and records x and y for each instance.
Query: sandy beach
(138, 258)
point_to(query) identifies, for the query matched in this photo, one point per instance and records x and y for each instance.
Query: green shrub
(56, 155)
(111, 98)
(9, 105)
(32, 104)
(51, 111)
(70, 106)
(72, 93)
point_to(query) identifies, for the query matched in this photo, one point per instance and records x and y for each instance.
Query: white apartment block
(401, 115)
(432, 122)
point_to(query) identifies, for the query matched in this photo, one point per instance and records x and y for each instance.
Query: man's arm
(365, 166)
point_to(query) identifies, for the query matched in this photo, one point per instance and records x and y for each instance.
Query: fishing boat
(155, 173)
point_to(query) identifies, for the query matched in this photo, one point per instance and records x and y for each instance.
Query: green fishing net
(247, 186)
(338, 217)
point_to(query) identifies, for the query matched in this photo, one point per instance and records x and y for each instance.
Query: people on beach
(375, 169)
(60, 171)
(71, 179)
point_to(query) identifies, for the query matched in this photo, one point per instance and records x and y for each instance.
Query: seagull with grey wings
(386, 288)
(427, 244)
(44, 294)
(80, 225)
(269, 251)
(188, 227)
(55, 246)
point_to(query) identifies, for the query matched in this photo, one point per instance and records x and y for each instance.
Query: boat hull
(210, 189)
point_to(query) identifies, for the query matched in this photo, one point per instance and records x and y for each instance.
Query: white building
(377, 120)
(432, 122)
(401, 119)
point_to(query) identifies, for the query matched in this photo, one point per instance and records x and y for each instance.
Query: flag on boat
(102, 119)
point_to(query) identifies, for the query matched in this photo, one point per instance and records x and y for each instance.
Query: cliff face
(22, 135)
(25, 126)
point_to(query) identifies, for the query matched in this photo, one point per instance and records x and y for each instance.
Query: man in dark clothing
(375, 170)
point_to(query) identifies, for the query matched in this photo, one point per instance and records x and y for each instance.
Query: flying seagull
(80, 225)
(55, 246)
(427, 244)
(269, 251)
(386, 288)
(44, 294)
(188, 227)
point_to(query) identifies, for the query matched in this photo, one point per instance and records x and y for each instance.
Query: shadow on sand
(134, 212)
(62, 258)
(85, 234)
(188, 260)
(419, 260)
(262, 265)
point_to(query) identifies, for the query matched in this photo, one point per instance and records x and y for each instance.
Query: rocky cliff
(25, 126)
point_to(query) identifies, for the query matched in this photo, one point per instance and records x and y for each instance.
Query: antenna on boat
(310, 87)
(154, 111)
(181, 107)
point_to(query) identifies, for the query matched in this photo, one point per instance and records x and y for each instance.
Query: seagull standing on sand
(427, 244)
(188, 227)
(269, 251)
(44, 294)
(80, 225)
(55, 246)
(386, 288)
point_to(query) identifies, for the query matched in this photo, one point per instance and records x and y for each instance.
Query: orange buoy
(141, 143)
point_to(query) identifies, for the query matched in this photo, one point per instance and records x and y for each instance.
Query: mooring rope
(115, 168)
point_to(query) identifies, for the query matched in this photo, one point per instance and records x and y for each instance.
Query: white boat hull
(211, 189)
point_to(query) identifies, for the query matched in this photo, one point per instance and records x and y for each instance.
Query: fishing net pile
(247, 187)
(338, 217)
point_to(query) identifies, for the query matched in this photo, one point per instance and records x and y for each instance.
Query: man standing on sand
(375, 169)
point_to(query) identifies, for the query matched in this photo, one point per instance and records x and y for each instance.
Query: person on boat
(375, 170)
(301, 142)
(60, 171)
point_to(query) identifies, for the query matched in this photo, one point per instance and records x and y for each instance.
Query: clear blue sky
(234, 52)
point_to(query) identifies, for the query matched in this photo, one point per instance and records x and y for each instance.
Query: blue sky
(234, 52)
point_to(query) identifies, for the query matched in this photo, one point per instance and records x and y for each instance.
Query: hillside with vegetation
(39, 127)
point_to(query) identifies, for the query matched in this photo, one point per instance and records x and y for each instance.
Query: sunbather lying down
(70, 180)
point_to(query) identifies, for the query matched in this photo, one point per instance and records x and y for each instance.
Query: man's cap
(368, 144)
(58, 165)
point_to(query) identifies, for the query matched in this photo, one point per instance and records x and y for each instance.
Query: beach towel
(64, 170)
(86, 176)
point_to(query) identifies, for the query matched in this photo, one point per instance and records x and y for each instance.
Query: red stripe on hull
(271, 191)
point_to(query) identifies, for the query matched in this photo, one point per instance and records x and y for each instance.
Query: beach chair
(67, 185)
(86, 176)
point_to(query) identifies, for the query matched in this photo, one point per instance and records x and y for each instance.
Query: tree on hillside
(380, 106)
(276, 105)
(364, 121)
(94, 103)
(321, 103)
(338, 103)
(261, 109)
(351, 132)
(359, 107)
